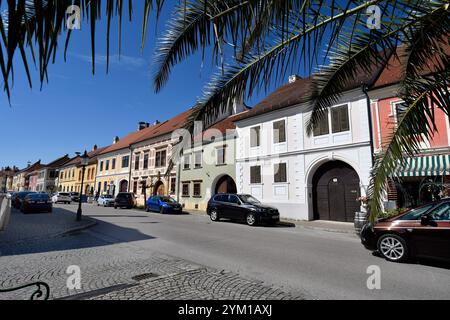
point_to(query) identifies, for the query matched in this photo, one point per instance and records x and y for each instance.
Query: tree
(255, 43)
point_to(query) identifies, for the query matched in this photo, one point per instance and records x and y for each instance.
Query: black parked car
(242, 207)
(18, 198)
(125, 200)
(36, 203)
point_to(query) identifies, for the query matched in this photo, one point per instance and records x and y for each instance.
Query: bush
(392, 213)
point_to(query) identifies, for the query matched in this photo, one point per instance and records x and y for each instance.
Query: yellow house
(70, 174)
(89, 173)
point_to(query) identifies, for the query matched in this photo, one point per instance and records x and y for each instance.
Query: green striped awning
(436, 165)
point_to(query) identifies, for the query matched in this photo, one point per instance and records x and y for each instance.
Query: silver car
(105, 200)
(62, 197)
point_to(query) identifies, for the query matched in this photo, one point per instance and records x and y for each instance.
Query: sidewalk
(31, 227)
(331, 226)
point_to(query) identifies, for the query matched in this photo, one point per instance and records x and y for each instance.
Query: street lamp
(84, 162)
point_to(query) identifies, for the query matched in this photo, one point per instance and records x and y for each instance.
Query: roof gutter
(365, 90)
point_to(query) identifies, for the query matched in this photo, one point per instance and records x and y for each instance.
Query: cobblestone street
(131, 254)
(106, 267)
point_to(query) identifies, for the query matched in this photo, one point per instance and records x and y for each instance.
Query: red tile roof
(223, 126)
(177, 122)
(395, 70)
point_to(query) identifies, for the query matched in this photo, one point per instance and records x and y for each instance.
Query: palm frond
(417, 125)
(26, 23)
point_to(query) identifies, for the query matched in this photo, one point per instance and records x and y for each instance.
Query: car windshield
(108, 196)
(415, 214)
(124, 195)
(249, 199)
(167, 200)
(64, 194)
(23, 195)
(38, 197)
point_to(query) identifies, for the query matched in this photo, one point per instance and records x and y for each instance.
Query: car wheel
(161, 210)
(393, 248)
(251, 219)
(214, 215)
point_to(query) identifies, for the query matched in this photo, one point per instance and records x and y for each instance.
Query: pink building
(426, 177)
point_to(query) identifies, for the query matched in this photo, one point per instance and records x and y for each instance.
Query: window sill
(221, 165)
(185, 196)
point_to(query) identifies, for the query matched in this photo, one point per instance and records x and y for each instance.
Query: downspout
(178, 177)
(365, 89)
(129, 171)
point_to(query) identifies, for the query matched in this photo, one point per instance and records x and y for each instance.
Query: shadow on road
(262, 225)
(421, 261)
(18, 238)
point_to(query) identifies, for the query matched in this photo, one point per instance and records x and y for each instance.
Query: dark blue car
(163, 204)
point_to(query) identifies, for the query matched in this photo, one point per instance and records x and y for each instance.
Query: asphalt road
(320, 264)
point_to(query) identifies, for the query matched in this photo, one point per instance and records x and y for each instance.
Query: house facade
(306, 177)
(6, 178)
(114, 165)
(90, 173)
(21, 178)
(425, 177)
(151, 170)
(47, 175)
(67, 181)
(209, 167)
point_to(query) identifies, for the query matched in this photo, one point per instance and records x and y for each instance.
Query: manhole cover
(144, 276)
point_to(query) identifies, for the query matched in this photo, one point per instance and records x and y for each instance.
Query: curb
(54, 235)
(289, 223)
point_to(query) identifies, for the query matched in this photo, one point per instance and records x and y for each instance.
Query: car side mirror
(425, 219)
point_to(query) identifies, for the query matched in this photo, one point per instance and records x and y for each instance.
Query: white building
(306, 177)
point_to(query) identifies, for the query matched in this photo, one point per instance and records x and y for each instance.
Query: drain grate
(144, 276)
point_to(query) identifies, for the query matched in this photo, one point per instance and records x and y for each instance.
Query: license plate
(275, 217)
(41, 202)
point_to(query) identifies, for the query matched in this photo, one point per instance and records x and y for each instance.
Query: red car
(420, 232)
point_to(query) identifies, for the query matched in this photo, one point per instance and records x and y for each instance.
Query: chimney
(294, 78)
(116, 139)
(95, 147)
(143, 125)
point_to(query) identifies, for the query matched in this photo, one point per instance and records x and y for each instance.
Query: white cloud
(127, 62)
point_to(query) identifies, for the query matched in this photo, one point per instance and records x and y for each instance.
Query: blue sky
(76, 110)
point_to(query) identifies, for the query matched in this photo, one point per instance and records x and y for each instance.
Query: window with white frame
(187, 162)
(197, 192)
(339, 119)
(198, 159)
(185, 189)
(322, 127)
(160, 158)
(279, 131)
(399, 110)
(280, 173)
(255, 139)
(255, 174)
(137, 159)
(220, 156)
